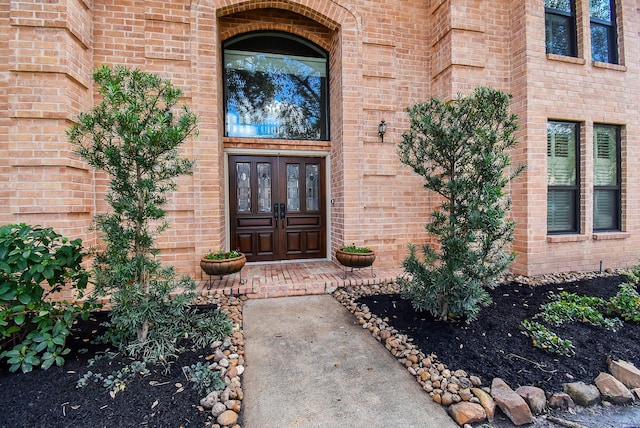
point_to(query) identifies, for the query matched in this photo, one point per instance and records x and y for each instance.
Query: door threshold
(279, 262)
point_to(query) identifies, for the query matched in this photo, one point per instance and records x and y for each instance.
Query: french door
(277, 206)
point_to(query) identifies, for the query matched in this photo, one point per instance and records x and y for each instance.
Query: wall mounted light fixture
(382, 129)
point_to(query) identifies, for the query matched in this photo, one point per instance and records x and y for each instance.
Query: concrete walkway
(309, 365)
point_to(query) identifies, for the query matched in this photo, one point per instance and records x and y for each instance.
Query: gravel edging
(225, 407)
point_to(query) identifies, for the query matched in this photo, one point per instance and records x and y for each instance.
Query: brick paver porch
(262, 280)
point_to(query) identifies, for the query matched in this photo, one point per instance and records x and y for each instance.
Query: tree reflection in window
(275, 87)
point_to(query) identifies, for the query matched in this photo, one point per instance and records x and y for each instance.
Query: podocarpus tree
(461, 148)
(133, 135)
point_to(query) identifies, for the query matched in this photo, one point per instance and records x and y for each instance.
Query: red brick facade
(383, 57)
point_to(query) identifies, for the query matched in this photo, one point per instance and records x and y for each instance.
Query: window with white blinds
(606, 177)
(562, 177)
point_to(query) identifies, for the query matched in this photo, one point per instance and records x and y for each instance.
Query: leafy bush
(36, 262)
(203, 378)
(570, 307)
(118, 379)
(547, 340)
(626, 303)
(461, 149)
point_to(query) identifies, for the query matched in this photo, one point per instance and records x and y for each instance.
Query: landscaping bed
(494, 346)
(155, 398)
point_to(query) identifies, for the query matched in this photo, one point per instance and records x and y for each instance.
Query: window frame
(570, 17)
(617, 188)
(612, 33)
(575, 188)
(324, 113)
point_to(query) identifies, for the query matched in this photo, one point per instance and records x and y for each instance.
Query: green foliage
(461, 149)
(570, 307)
(547, 340)
(118, 380)
(36, 262)
(134, 136)
(222, 255)
(204, 379)
(626, 303)
(353, 248)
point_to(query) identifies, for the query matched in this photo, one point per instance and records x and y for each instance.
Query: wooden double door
(277, 206)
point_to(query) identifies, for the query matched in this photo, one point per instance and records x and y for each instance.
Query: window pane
(561, 154)
(243, 184)
(559, 39)
(561, 208)
(275, 87)
(561, 5)
(600, 9)
(605, 159)
(600, 43)
(605, 209)
(313, 194)
(293, 187)
(264, 187)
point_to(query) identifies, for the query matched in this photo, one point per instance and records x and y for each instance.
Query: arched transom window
(275, 87)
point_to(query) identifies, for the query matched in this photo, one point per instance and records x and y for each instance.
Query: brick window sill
(566, 238)
(608, 66)
(604, 236)
(569, 59)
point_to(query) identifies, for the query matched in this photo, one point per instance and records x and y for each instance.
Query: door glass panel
(243, 174)
(293, 187)
(264, 187)
(313, 195)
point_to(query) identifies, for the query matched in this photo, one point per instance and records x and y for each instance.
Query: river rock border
(227, 356)
(467, 398)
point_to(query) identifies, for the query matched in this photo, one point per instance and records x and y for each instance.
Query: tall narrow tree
(133, 136)
(461, 148)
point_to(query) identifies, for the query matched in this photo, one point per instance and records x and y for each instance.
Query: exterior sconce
(382, 129)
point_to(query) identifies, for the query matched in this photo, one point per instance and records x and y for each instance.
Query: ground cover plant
(495, 346)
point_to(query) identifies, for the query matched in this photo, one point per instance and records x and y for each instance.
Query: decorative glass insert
(312, 187)
(243, 184)
(293, 187)
(264, 187)
(560, 27)
(276, 86)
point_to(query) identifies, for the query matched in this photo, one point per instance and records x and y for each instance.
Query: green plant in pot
(354, 256)
(223, 262)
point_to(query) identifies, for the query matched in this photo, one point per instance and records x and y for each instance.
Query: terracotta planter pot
(355, 260)
(222, 267)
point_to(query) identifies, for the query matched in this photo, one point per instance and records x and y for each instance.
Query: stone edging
(228, 357)
(467, 401)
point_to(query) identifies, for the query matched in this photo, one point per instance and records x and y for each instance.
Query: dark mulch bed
(493, 346)
(50, 397)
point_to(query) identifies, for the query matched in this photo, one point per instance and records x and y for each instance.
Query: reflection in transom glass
(293, 187)
(264, 187)
(243, 184)
(275, 87)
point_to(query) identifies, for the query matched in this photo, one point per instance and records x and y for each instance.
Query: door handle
(283, 211)
(275, 214)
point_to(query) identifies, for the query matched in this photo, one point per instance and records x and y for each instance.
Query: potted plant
(223, 263)
(353, 256)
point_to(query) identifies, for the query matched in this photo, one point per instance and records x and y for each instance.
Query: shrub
(570, 307)
(204, 379)
(461, 149)
(626, 303)
(36, 262)
(547, 340)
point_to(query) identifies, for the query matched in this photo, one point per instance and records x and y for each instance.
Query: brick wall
(384, 56)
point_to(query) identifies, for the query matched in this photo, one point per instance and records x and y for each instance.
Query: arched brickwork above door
(328, 14)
